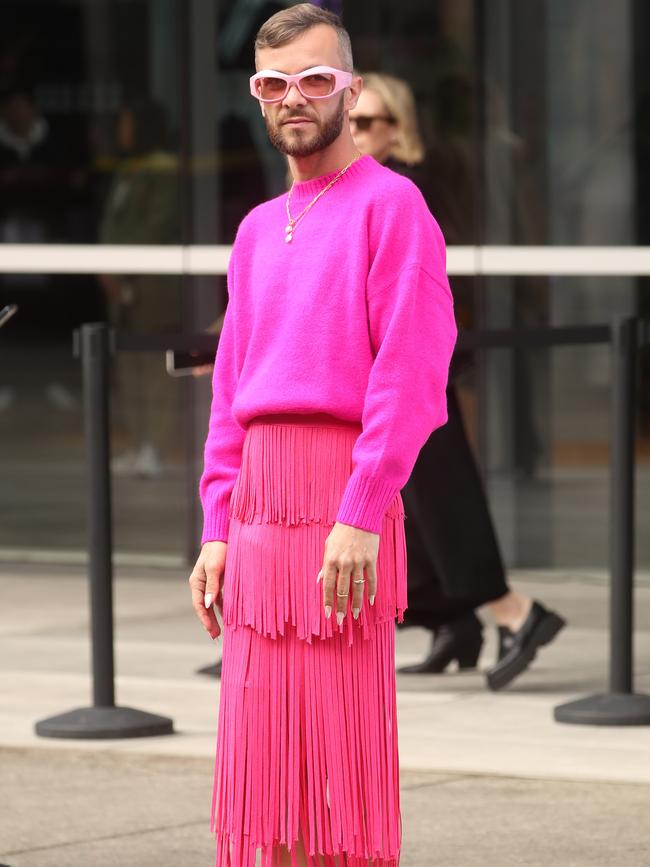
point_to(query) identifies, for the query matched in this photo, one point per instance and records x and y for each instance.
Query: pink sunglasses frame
(342, 79)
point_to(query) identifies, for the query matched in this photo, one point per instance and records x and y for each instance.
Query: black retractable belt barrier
(620, 706)
(104, 719)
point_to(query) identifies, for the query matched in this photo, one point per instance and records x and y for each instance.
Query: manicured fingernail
(320, 575)
(328, 611)
(355, 613)
(339, 617)
(372, 599)
(208, 600)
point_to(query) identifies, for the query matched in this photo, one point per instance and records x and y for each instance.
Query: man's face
(298, 126)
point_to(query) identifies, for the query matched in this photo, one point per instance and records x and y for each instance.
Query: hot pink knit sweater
(353, 318)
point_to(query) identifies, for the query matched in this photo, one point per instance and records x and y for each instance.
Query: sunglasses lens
(363, 124)
(317, 85)
(271, 87)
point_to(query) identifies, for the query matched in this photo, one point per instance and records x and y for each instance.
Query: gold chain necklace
(289, 228)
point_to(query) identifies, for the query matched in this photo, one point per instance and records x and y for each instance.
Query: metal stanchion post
(621, 705)
(103, 719)
(94, 360)
(624, 353)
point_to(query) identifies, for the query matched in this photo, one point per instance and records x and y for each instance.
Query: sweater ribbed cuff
(365, 501)
(216, 518)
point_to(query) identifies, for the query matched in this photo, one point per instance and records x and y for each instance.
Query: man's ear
(352, 94)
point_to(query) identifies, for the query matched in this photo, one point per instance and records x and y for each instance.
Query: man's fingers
(371, 575)
(343, 590)
(339, 584)
(197, 588)
(214, 629)
(207, 616)
(213, 571)
(357, 589)
(329, 587)
(348, 552)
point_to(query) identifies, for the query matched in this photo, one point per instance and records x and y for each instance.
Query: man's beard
(328, 133)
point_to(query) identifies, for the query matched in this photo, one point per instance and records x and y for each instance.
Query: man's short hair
(292, 22)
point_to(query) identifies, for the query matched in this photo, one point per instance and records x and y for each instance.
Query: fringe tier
(307, 746)
(282, 509)
(307, 728)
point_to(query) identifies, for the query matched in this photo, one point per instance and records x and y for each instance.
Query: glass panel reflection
(89, 153)
(132, 122)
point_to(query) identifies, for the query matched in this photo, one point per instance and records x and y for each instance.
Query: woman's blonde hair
(399, 102)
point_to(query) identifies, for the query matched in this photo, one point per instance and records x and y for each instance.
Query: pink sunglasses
(317, 82)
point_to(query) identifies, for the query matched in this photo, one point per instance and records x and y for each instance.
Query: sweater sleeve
(225, 438)
(412, 332)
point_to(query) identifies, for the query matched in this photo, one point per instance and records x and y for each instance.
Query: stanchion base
(607, 709)
(104, 722)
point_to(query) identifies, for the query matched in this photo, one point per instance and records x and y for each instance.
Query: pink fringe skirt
(307, 726)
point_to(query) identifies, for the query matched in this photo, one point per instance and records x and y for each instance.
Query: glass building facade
(129, 122)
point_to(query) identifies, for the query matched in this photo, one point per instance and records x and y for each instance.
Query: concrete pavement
(487, 778)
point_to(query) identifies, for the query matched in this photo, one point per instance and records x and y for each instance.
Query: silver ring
(343, 594)
(359, 581)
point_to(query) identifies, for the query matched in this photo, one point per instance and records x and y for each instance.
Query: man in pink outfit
(338, 335)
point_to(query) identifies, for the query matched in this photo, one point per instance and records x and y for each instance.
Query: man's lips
(297, 120)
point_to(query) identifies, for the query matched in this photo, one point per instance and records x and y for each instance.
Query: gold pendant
(288, 233)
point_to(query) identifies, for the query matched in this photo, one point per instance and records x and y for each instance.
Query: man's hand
(348, 551)
(206, 583)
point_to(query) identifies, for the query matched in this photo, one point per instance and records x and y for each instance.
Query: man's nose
(294, 97)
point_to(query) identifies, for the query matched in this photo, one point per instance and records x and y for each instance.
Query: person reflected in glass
(454, 561)
(34, 195)
(142, 207)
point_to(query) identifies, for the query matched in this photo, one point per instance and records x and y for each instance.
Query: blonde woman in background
(454, 561)
(384, 122)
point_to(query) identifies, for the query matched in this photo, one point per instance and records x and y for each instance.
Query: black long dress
(454, 560)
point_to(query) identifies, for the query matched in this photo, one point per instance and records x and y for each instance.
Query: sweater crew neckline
(306, 190)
